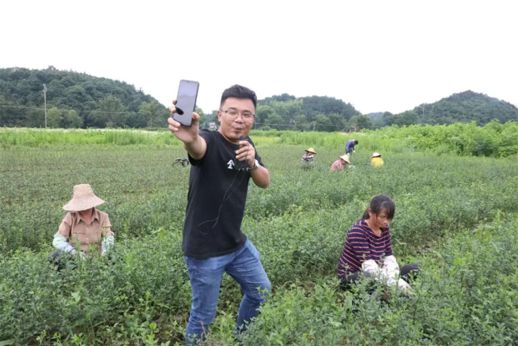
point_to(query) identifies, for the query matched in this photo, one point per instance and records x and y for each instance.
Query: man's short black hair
(239, 92)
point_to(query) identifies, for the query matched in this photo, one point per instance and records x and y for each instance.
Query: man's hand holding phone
(184, 121)
(183, 133)
(186, 101)
(193, 142)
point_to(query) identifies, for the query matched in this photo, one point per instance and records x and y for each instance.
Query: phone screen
(186, 101)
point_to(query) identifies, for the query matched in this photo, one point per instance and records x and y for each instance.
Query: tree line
(78, 100)
(74, 100)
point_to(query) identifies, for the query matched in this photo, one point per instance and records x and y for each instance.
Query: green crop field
(456, 194)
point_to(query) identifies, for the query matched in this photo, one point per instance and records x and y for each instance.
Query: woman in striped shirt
(367, 249)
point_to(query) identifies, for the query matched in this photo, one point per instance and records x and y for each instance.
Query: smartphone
(186, 101)
(241, 165)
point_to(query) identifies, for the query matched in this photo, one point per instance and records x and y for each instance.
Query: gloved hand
(107, 244)
(390, 271)
(79, 254)
(404, 287)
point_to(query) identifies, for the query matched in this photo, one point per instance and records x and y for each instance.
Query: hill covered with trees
(312, 113)
(80, 100)
(467, 106)
(319, 113)
(74, 100)
(329, 114)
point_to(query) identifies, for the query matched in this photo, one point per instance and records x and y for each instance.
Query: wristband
(255, 165)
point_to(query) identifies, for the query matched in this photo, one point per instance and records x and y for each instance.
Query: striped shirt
(360, 245)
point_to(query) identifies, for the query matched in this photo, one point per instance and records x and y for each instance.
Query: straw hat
(311, 150)
(345, 157)
(83, 198)
(376, 154)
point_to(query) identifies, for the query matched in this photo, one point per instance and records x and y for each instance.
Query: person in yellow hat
(84, 229)
(341, 163)
(376, 160)
(308, 159)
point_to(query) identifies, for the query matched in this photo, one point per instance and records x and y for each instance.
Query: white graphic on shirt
(230, 164)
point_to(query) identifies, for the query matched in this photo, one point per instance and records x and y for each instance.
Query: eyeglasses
(233, 113)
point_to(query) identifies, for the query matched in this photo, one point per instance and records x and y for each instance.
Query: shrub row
(466, 294)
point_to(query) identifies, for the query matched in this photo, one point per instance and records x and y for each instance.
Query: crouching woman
(84, 230)
(367, 251)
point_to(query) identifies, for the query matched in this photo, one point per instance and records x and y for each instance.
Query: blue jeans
(205, 275)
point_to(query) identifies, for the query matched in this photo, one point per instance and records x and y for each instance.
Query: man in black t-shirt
(222, 164)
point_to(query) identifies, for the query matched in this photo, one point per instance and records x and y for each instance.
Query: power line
(67, 109)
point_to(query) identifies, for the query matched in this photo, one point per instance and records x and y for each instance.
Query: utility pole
(45, 102)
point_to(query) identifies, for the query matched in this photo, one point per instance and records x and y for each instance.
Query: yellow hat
(311, 150)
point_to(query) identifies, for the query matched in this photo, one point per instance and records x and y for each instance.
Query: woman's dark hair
(239, 92)
(380, 203)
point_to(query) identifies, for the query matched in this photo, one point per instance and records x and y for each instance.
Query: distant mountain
(329, 114)
(466, 106)
(73, 100)
(80, 100)
(320, 113)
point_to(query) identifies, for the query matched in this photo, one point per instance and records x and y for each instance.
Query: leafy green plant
(454, 216)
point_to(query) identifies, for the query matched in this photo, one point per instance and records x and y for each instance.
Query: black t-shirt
(218, 186)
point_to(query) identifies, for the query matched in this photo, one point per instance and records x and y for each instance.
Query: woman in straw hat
(84, 229)
(341, 163)
(308, 158)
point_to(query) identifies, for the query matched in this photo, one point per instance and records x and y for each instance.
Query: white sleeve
(390, 263)
(390, 271)
(61, 243)
(388, 274)
(107, 244)
(371, 269)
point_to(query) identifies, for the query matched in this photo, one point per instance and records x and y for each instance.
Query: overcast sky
(386, 55)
